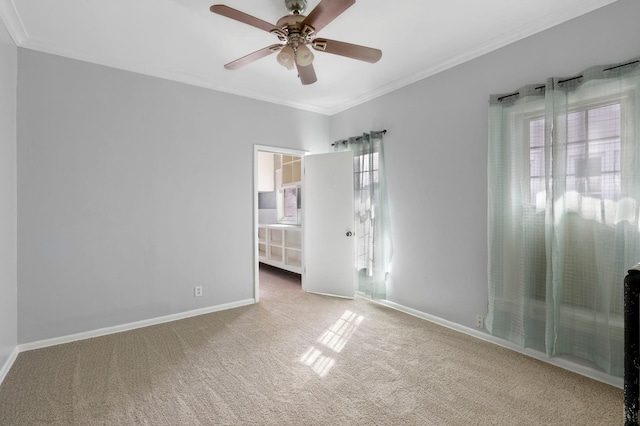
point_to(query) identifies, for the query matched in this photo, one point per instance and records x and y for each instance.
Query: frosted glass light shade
(304, 56)
(286, 57)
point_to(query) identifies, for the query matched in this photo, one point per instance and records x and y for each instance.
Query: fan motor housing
(296, 7)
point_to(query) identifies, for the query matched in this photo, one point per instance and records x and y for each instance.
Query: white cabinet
(291, 170)
(278, 170)
(262, 243)
(281, 246)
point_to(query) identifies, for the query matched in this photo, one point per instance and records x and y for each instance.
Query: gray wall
(436, 152)
(8, 281)
(133, 190)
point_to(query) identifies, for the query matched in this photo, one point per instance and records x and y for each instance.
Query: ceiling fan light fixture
(304, 57)
(286, 57)
(295, 32)
(296, 7)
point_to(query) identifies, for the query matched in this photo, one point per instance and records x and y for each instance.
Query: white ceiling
(183, 41)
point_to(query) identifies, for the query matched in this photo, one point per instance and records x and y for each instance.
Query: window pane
(611, 186)
(536, 162)
(609, 152)
(604, 122)
(586, 167)
(290, 204)
(536, 132)
(593, 154)
(576, 129)
(537, 192)
(572, 183)
(576, 159)
(366, 165)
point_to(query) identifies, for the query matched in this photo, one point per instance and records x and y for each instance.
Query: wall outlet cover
(479, 321)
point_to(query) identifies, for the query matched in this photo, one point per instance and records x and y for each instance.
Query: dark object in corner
(631, 345)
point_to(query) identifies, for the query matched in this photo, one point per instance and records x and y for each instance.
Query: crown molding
(578, 8)
(551, 20)
(11, 19)
(175, 76)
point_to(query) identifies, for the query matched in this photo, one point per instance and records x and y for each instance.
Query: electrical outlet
(197, 291)
(479, 321)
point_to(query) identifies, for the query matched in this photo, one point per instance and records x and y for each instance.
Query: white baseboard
(130, 326)
(4, 370)
(557, 361)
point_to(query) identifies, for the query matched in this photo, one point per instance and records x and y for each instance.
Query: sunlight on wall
(334, 338)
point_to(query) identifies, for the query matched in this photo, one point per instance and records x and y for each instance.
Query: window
(366, 183)
(593, 163)
(563, 210)
(592, 171)
(288, 204)
(366, 168)
(374, 248)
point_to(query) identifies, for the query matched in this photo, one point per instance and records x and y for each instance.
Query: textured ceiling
(183, 41)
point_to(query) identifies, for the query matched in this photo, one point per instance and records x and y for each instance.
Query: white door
(329, 242)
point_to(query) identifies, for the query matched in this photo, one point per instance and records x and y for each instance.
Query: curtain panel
(374, 247)
(563, 219)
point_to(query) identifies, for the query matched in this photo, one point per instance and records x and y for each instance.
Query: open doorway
(278, 215)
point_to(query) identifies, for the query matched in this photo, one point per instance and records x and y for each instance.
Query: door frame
(256, 258)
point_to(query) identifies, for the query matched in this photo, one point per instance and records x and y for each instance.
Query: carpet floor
(297, 359)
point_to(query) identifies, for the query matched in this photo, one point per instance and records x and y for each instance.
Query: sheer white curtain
(374, 248)
(563, 228)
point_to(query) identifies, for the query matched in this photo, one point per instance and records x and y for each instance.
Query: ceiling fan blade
(349, 50)
(307, 74)
(229, 12)
(325, 12)
(258, 54)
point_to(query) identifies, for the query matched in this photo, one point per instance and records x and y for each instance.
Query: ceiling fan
(295, 32)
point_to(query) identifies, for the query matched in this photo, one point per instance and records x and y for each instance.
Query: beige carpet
(297, 359)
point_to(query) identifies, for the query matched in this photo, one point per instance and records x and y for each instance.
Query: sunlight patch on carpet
(317, 361)
(337, 336)
(334, 338)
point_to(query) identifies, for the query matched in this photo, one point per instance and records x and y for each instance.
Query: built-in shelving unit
(262, 242)
(281, 246)
(291, 170)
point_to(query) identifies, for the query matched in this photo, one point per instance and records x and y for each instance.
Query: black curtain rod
(517, 93)
(606, 69)
(507, 96)
(571, 79)
(358, 139)
(620, 66)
